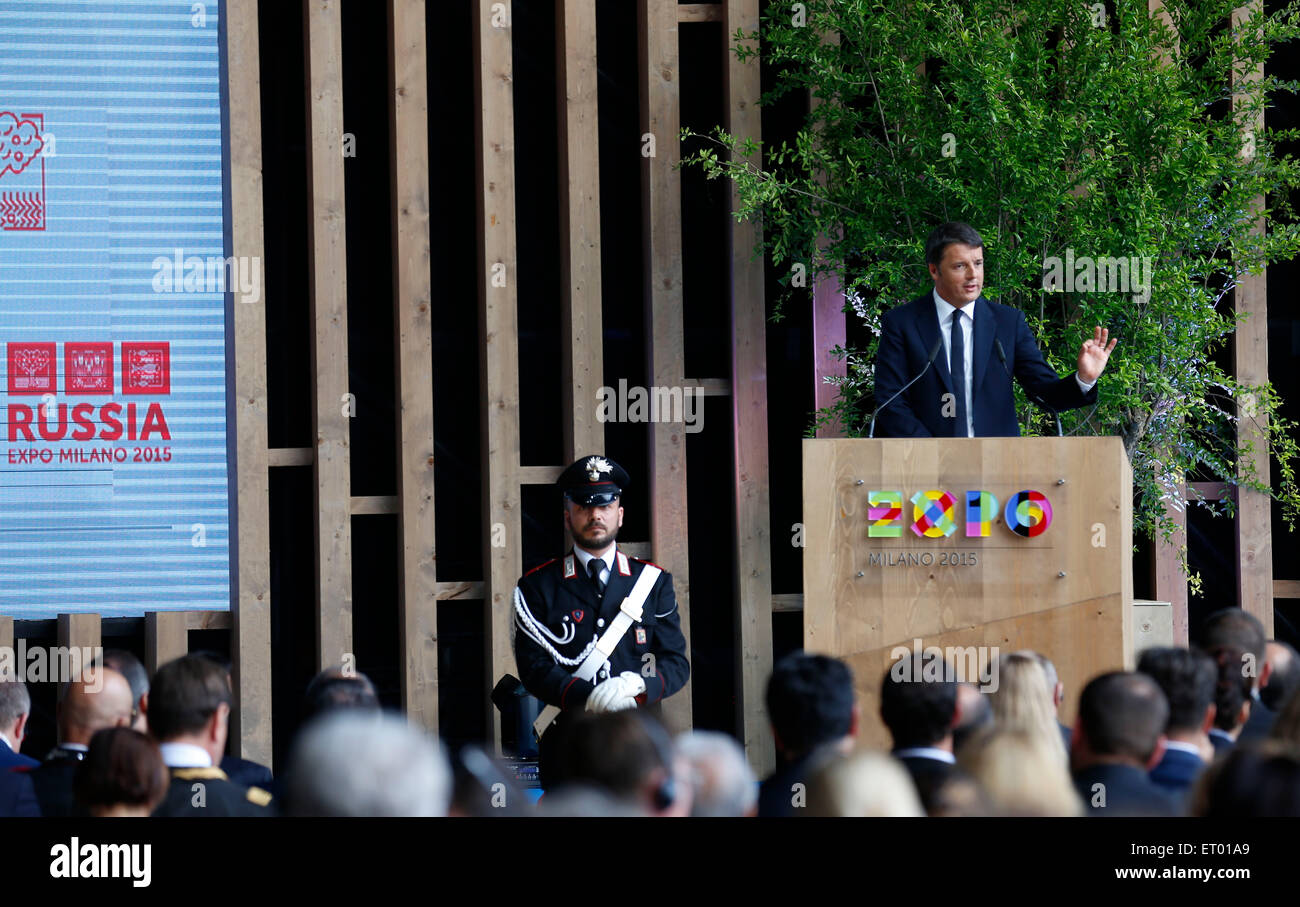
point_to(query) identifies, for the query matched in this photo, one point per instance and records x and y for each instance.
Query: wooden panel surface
(166, 637)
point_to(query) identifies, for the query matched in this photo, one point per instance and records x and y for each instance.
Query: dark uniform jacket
(53, 779)
(218, 795)
(1128, 792)
(560, 605)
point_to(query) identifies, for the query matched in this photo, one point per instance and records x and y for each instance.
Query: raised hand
(1094, 354)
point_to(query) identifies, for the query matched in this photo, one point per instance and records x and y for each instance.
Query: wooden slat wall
(661, 214)
(413, 358)
(250, 645)
(579, 181)
(329, 311)
(752, 542)
(80, 630)
(166, 636)
(1254, 533)
(494, 130)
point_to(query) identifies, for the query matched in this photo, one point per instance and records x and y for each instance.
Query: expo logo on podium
(1027, 513)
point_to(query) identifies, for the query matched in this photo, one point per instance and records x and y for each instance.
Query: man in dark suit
(1187, 678)
(921, 711)
(100, 698)
(189, 711)
(1119, 737)
(17, 798)
(1238, 631)
(978, 345)
(15, 707)
(810, 703)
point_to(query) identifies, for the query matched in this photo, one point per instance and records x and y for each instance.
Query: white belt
(628, 613)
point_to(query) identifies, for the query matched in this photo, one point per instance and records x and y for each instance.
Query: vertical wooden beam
(166, 637)
(408, 123)
(329, 360)
(7, 635)
(580, 279)
(1254, 544)
(80, 631)
(661, 234)
(829, 327)
(752, 541)
(250, 644)
(494, 130)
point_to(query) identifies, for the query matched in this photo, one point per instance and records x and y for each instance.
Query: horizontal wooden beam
(1286, 588)
(471, 591)
(788, 602)
(208, 620)
(699, 12)
(372, 504)
(1212, 491)
(713, 387)
(289, 456)
(539, 475)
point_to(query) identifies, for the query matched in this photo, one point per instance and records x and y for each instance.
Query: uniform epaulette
(206, 773)
(258, 797)
(540, 566)
(644, 561)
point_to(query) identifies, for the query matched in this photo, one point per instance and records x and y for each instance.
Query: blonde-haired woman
(1021, 773)
(1023, 702)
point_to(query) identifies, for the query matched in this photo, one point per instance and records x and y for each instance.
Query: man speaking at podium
(945, 361)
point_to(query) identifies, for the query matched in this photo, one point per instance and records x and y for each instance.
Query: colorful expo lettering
(1028, 513)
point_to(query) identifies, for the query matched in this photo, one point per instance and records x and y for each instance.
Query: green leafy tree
(1056, 129)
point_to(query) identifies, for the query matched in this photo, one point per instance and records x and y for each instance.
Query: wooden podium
(897, 555)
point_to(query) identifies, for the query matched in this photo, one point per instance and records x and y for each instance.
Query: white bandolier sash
(628, 613)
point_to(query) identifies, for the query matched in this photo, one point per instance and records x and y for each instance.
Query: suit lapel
(581, 588)
(928, 328)
(985, 328)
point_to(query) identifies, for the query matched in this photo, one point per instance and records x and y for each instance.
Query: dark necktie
(593, 570)
(957, 366)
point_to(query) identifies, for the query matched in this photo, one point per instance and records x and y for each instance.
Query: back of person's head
(1021, 773)
(1123, 714)
(626, 753)
(1023, 700)
(722, 781)
(1187, 677)
(99, 698)
(1284, 674)
(1234, 681)
(975, 714)
(863, 784)
(1286, 727)
(1253, 781)
(1049, 672)
(130, 667)
(809, 702)
(917, 706)
(15, 702)
(334, 689)
(1237, 629)
(184, 696)
(361, 763)
(122, 769)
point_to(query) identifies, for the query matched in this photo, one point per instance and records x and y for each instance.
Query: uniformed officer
(564, 606)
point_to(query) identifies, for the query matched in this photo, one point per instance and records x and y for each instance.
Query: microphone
(1002, 357)
(938, 345)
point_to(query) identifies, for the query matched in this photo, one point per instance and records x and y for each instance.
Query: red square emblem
(88, 368)
(146, 368)
(31, 368)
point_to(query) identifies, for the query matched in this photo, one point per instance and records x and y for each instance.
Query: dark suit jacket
(247, 772)
(9, 759)
(17, 798)
(909, 332)
(929, 775)
(1177, 771)
(1259, 724)
(1221, 745)
(1128, 792)
(53, 779)
(207, 792)
(562, 604)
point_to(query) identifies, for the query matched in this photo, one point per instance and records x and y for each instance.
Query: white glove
(617, 693)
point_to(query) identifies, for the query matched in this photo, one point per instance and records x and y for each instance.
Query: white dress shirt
(585, 557)
(946, 312)
(184, 755)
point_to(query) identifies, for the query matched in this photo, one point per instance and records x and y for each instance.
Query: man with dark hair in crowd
(628, 754)
(1232, 697)
(921, 712)
(126, 664)
(15, 708)
(1234, 628)
(1118, 738)
(1283, 675)
(242, 771)
(100, 698)
(189, 711)
(336, 688)
(811, 706)
(1187, 678)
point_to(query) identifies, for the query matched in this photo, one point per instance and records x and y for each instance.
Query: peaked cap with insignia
(593, 481)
